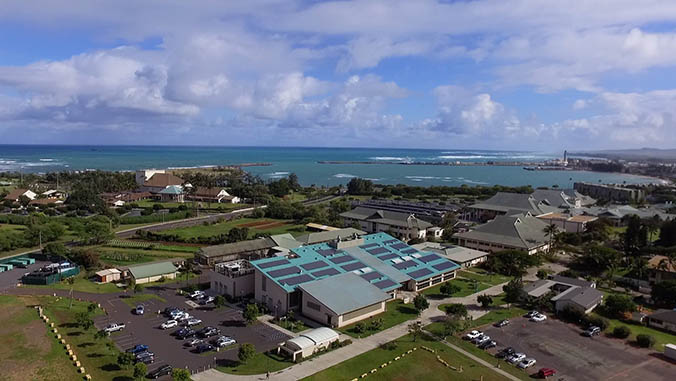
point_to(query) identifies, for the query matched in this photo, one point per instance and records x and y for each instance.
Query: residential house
(519, 231)
(404, 225)
(15, 195)
(45, 201)
(213, 194)
(154, 181)
(662, 319)
(661, 268)
(569, 293)
(53, 193)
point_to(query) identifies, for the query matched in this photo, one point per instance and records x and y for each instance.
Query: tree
(237, 234)
(420, 303)
(100, 335)
(219, 301)
(668, 233)
(140, 370)
(618, 305)
(457, 311)
(511, 262)
(632, 237)
(621, 332)
(645, 341)
(357, 186)
(251, 312)
(360, 327)
(84, 321)
(664, 293)
(550, 231)
(91, 307)
(542, 274)
(56, 249)
(377, 324)
(246, 352)
(449, 288)
(138, 288)
(125, 360)
(179, 374)
(485, 300)
(598, 258)
(415, 329)
(513, 290)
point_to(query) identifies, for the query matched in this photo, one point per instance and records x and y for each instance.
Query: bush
(598, 321)
(621, 332)
(389, 346)
(360, 327)
(645, 341)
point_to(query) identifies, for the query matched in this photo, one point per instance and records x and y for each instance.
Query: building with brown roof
(568, 223)
(159, 181)
(16, 194)
(661, 268)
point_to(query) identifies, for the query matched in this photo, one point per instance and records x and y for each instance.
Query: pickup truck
(114, 327)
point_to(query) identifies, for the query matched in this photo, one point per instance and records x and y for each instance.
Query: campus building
(571, 293)
(404, 225)
(519, 232)
(610, 192)
(346, 280)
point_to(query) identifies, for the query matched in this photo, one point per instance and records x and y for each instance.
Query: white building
(309, 343)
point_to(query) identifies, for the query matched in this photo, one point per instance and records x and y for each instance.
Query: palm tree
(550, 231)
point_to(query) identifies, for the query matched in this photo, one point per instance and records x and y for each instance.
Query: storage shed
(309, 342)
(108, 275)
(152, 272)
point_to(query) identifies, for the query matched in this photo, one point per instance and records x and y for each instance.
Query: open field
(396, 312)
(81, 284)
(28, 352)
(467, 287)
(260, 364)
(203, 205)
(661, 338)
(483, 276)
(419, 365)
(267, 225)
(120, 243)
(118, 256)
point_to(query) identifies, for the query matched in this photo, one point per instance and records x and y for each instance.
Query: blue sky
(483, 74)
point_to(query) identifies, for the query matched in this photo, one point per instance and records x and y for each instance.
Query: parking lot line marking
(639, 365)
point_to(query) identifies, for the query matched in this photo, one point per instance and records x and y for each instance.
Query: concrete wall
(155, 278)
(495, 247)
(233, 286)
(361, 314)
(327, 317)
(273, 295)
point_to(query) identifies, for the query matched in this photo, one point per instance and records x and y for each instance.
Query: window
(313, 306)
(265, 283)
(294, 299)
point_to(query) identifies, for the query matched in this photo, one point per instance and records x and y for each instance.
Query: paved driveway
(561, 346)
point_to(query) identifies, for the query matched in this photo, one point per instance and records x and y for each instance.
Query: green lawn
(81, 284)
(260, 364)
(29, 351)
(661, 338)
(496, 314)
(471, 348)
(467, 287)
(135, 299)
(256, 225)
(296, 326)
(420, 365)
(481, 275)
(119, 256)
(129, 244)
(396, 312)
(189, 204)
(98, 356)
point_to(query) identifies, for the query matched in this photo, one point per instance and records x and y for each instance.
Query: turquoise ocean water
(304, 162)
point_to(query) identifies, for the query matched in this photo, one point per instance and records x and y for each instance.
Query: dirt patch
(271, 225)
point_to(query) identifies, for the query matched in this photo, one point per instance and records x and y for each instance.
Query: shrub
(346, 342)
(645, 341)
(360, 327)
(621, 332)
(597, 321)
(389, 346)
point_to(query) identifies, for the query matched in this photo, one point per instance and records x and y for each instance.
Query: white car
(169, 324)
(538, 317)
(114, 327)
(184, 316)
(196, 294)
(194, 321)
(224, 341)
(526, 363)
(194, 342)
(530, 314)
(515, 358)
(473, 335)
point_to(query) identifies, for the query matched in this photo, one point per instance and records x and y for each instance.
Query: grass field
(120, 243)
(255, 225)
(481, 275)
(420, 365)
(189, 204)
(118, 256)
(661, 338)
(296, 326)
(261, 363)
(28, 352)
(467, 287)
(471, 348)
(396, 312)
(81, 284)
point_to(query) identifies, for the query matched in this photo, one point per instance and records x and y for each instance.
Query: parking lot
(145, 329)
(561, 346)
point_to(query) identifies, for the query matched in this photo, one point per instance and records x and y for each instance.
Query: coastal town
(215, 274)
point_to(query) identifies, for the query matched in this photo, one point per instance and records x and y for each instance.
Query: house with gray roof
(404, 225)
(663, 319)
(519, 231)
(562, 198)
(463, 256)
(505, 203)
(569, 293)
(249, 249)
(329, 235)
(617, 214)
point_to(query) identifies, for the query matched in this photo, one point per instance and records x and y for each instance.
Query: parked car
(193, 321)
(164, 370)
(143, 354)
(546, 372)
(169, 324)
(473, 335)
(193, 342)
(502, 323)
(167, 311)
(592, 331)
(526, 363)
(196, 294)
(146, 360)
(204, 347)
(184, 333)
(114, 327)
(224, 341)
(516, 358)
(208, 332)
(138, 349)
(480, 339)
(207, 300)
(139, 310)
(184, 316)
(488, 344)
(506, 352)
(530, 314)
(538, 318)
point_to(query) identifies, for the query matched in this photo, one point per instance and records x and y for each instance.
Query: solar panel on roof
(409, 251)
(314, 265)
(399, 246)
(285, 271)
(330, 271)
(419, 273)
(273, 263)
(388, 256)
(378, 250)
(372, 275)
(341, 259)
(297, 279)
(368, 245)
(429, 258)
(444, 265)
(404, 265)
(327, 252)
(391, 241)
(353, 266)
(385, 284)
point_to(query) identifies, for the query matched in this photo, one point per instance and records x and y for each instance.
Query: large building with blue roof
(340, 282)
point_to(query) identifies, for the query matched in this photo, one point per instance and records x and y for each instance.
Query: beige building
(567, 223)
(309, 343)
(152, 272)
(234, 279)
(404, 225)
(517, 232)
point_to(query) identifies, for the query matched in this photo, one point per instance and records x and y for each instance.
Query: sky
(485, 74)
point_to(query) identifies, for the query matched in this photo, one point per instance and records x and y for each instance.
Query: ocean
(305, 163)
